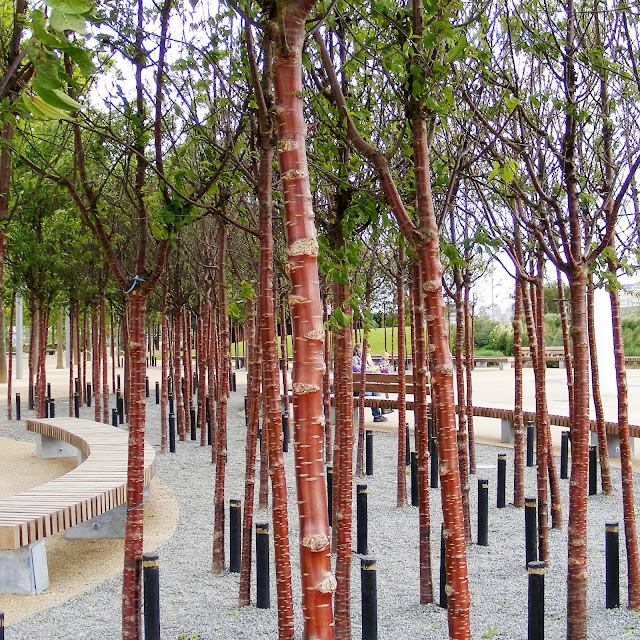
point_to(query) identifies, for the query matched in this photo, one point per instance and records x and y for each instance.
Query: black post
(1, 626)
(361, 516)
(443, 572)
(483, 513)
(151, 581)
(369, 452)
(330, 494)
(262, 566)
(118, 382)
(246, 412)
(593, 470)
(172, 433)
(233, 382)
(407, 446)
(192, 417)
(46, 407)
(531, 435)
(17, 406)
(208, 431)
(76, 385)
(88, 394)
(285, 432)
(536, 600)
(120, 406)
(146, 387)
(49, 390)
(502, 479)
(114, 417)
(530, 530)
(76, 405)
(414, 478)
(235, 535)
(564, 455)
(157, 393)
(433, 453)
(369, 590)
(170, 400)
(612, 554)
(52, 408)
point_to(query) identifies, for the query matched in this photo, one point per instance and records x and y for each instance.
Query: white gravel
(195, 603)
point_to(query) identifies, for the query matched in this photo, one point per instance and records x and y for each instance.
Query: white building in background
(629, 299)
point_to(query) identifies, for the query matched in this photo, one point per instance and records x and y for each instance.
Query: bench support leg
(507, 431)
(24, 571)
(503, 366)
(47, 447)
(109, 525)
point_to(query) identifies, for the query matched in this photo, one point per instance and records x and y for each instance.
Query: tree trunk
(633, 558)
(202, 329)
(254, 369)
(566, 340)
(343, 488)
(178, 395)
(164, 386)
(103, 354)
(603, 449)
(422, 438)
(306, 310)
(284, 351)
(132, 575)
(60, 340)
(95, 364)
(223, 384)
(10, 373)
(326, 387)
(518, 421)
(72, 320)
(577, 529)
(401, 495)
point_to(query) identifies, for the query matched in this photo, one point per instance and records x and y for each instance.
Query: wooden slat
(94, 487)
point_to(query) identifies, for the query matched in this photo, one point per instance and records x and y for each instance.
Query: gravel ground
(197, 604)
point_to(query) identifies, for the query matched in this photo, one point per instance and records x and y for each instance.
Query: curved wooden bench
(96, 486)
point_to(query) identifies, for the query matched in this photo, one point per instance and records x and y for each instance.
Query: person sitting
(385, 367)
(357, 368)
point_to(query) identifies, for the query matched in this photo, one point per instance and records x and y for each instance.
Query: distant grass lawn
(376, 340)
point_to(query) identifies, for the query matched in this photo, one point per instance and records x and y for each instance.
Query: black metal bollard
(172, 433)
(502, 479)
(369, 452)
(46, 407)
(52, 408)
(209, 432)
(443, 572)
(157, 393)
(414, 478)
(120, 407)
(530, 530)
(88, 394)
(76, 385)
(246, 412)
(151, 581)
(76, 405)
(170, 400)
(536, 600)
(483, 513)
(146, 387)
(1, 626)
(118, 382)
(564, 455)
(593, 470)
(285, 432)
(368, 586)
(329, 473)
(114, 417)
(612, 555)
(49, 390)
(531, 436)
(192, 418)
(235, 535)
(433, 453)
(17, 406)
(361, 517)
(407, 446)
(233, 382)
(262, 566)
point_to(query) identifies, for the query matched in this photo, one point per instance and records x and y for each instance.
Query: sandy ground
(75, 566)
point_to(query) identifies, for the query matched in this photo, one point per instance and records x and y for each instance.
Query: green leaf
(82, 58)
(55, 98)
(73, 7)
(40, 30)
(248, 292)
(45, 110)
(46, 74)
(511, 103)
(66, 22)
